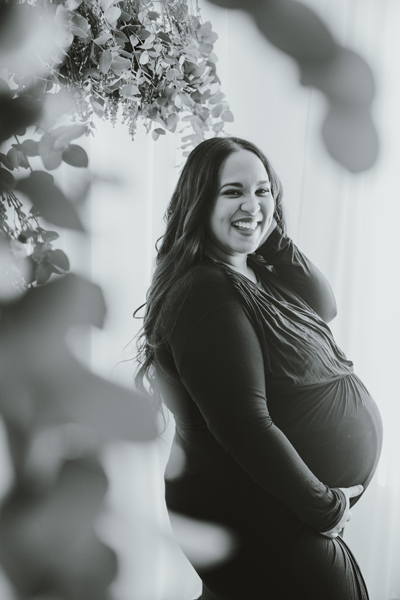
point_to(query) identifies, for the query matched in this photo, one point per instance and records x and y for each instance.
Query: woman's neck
(236, 262)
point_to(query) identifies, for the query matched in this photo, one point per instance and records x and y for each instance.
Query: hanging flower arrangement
(134, 60)
(156, 65)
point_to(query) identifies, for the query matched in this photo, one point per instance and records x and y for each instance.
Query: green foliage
(342, 75)
(105, 58)
(22, 108)
(155, 65)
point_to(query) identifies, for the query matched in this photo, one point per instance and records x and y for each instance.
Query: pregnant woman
(280, 437)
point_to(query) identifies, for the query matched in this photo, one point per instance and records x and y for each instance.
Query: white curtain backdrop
(347, 224)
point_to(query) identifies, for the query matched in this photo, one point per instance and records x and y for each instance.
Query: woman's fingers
(353, 491)
(330, 535)
(349, 492)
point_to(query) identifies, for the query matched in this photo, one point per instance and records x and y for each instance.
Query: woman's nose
(250, 204)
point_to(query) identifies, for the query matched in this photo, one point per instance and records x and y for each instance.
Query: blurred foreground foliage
(58, 416)
(341, 74)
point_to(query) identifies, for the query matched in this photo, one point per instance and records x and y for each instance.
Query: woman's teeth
(245, 225)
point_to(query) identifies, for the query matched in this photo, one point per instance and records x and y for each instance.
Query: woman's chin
(247, 243)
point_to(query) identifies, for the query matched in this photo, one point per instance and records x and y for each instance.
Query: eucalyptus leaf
(227, 116)
(120, 64)
(63, 15)
(129, 90)
(112, 14)
(218, 126)
(64, 37)
(50, 236)
(206, 48)
(76, 156)
(143, 34)
(59, 260)
(6, 177)
(43, 272)
(216, 112)
(12, 156)
(28, 147)
(125, 53)
(120, 35)
(98, 106)
(133, 40)
(172, 74)
(105, 61)
(205, 28)
(66, 133)
(79, 21)
(172, 121)
(196, 96)
(50, 155)
(49, 200)
(106, 4)
(6, 162)
(217, 98)
(103, 38)
(73, 4)
(22, 160)
(75, 30)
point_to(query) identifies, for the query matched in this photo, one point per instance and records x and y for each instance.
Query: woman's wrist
(341, 508)
(268, 232)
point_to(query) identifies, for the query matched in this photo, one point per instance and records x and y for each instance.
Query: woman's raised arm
(292, 266)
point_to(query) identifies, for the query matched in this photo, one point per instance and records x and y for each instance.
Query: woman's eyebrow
(234, 183)
(238, 184)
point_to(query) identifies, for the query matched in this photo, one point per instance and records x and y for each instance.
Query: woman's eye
(264, 191)
(231, 192)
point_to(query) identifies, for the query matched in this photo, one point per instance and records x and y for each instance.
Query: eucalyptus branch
(26, 158)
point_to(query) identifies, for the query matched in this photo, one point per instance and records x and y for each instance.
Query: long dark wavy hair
(183, 244)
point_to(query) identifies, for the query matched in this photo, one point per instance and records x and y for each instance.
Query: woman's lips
(246, 225)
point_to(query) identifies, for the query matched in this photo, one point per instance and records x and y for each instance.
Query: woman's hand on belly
(349, 492)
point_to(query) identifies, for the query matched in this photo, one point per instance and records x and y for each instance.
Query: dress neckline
(257, 283)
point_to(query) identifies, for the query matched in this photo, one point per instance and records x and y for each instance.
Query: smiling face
(243, 209)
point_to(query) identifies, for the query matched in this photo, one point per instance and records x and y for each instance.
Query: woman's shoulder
(207, 281)
(202, 289)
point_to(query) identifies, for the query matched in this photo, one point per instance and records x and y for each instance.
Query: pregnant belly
(335, 427)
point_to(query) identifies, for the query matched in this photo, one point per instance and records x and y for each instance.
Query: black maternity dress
(272, 421)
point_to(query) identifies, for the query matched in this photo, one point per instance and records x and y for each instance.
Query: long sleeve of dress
(299, 273)
(219, 361)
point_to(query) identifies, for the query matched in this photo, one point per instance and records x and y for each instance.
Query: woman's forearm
(293, 267)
